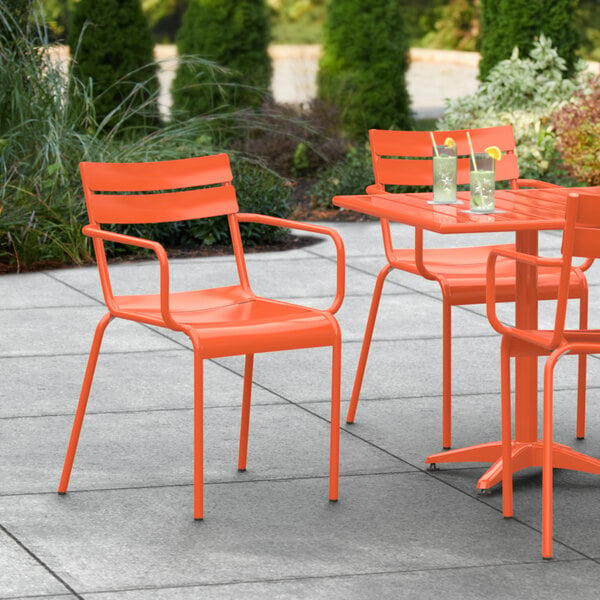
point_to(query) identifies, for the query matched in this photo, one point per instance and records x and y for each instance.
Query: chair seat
(230, 321)
(462, 274)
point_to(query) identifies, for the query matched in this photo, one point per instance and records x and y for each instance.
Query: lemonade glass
(482, 183)
(444, 175)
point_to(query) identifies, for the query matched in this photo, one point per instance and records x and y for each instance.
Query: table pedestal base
(524, 454)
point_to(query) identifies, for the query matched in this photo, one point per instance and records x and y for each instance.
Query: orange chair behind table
(404, 158)
(219, 321)
(581, 239)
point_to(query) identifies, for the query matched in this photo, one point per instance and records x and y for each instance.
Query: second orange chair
(404, 158)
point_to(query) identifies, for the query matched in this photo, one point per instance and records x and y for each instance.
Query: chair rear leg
(245, 423)
(198, 434)
(582, 370)
(447, 375)
(334, 456)
(364, 353)
(83, 399)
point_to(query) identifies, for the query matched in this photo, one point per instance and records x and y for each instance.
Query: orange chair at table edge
(581, 239)
(219, 321)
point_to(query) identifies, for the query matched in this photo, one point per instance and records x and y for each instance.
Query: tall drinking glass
(444, 175)
(482, 183)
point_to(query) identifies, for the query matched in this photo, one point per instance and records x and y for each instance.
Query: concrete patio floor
(125, 529)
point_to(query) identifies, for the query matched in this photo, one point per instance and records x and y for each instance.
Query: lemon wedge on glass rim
(494, 152)
(449, 142)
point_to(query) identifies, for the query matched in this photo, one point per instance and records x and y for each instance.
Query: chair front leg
(334, 452)
(364, 352)
(582, 369)
(245, 421)
(547, 468)
(447, 375)
(198, 432)
(507, 475)
(83, 399)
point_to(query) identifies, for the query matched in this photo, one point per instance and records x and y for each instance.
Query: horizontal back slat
(587, 242)
(394, 154)
(159, 208)
(118, 192)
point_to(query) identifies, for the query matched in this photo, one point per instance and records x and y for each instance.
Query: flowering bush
(577, 129)
(523, 92)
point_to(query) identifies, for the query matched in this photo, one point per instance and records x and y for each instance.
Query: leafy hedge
(233, 34)
(111, 45)
(364, 63)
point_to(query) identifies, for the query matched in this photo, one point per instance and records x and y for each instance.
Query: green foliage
(111, 45)
(456, 28)
(44, 136)
(363, 67)
(297, 21)
(577, 128)
(346, 177)
(292, 141)
(233, 34)
(506, 24)
(523, 92)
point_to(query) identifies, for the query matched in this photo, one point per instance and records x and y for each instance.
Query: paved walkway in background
(433, 76)
(125, 529)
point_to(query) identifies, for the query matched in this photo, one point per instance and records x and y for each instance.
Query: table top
(516, 210)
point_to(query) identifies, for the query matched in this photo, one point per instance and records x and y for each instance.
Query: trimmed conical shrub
(233, 34)
(364, 63)
(509, 23)
(111, 45)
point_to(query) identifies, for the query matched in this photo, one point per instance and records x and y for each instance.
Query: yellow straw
(434, 144)
(472, 153)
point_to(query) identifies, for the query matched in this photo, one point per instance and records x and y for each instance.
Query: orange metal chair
(220, 322)
(405, 158)
(581, 239)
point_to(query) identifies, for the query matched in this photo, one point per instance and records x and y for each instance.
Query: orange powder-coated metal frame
(221, 321)
(405, 158)
(581, 239)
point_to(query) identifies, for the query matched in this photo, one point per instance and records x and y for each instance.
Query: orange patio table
(524, 211)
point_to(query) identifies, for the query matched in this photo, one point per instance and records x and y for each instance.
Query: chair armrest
(332, 233)
(536, 183)
(110, 236)
(530, 259)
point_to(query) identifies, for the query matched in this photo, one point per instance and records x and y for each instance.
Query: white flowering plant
(523, 92)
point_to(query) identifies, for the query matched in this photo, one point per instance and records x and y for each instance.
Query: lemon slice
(449, 142)
(494, 152)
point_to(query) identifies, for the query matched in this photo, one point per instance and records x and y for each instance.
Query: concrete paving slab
(155, 448)
(21, 574)
(31, 290)
(264, 531)
(60, 330)
(130, 381)
(505, 582)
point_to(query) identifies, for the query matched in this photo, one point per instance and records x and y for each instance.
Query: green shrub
(346, 177)
(577, 129)
(44, 136)
(233, 34)
(506, 24)
(295, 141)
(363, 67)
(523, 92)
(111, 45)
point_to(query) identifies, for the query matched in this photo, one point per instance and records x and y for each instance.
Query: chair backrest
(581, 239)
(405, 157)
(156, 192)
